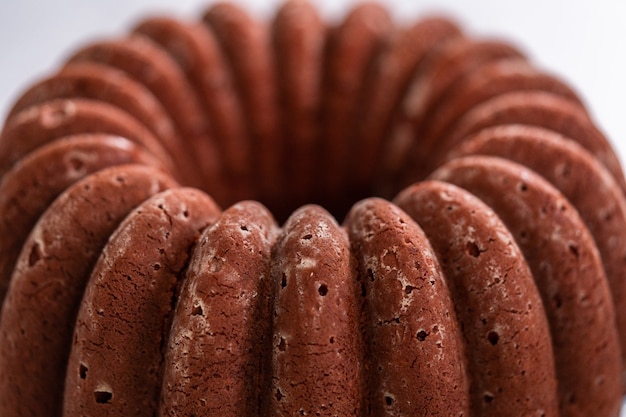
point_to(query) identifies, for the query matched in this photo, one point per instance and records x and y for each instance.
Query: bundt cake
(233, 217)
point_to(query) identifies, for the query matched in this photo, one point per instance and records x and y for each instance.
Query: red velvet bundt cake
(231, 217)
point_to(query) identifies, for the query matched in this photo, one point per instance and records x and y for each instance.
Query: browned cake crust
(490, 80)
(506, 334)
(147, 63)
(196, 51)
(585, 182)
(431, 87)
(246, 44)
(47, 285)
(115, 365)
(35, 181)
(414, 357)
(568, 273)
(387, 85)
(110, 85)
(42, 123)
(454, 60)
(351, 50)
(316, 320)
(535, 108)
(299, 38)
(102, 83)
(222, 324)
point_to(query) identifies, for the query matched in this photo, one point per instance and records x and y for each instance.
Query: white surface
(580, 40)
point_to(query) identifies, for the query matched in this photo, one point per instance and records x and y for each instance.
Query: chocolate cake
(237, 217)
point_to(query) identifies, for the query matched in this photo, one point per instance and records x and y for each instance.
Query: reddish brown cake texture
(301, 216)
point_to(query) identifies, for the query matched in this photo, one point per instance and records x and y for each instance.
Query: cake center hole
(337, 202)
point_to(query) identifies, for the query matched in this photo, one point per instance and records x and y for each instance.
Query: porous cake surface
(224, 215)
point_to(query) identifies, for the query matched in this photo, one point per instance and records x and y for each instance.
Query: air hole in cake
(408, 289)
(279, 395)
(571, 398)
(307, 237)
(244, 228)
(75, 164)
(523, 235)
(472, 249)
(282, 345)
(103, 397)
(197, 311)
(573, 249)
(370, 274)
(283, 281)
(488, 397)
(35, 255)
(421, 335)
(388, 400)
(363, 290)
(52, 117)
(562, 170)
(82, 371)
(522, 187)
(323, 290)
(186, 213)
(331, 340)
(493, 337)
(157, 266)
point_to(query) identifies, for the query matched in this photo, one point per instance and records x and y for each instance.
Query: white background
(582, 41)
